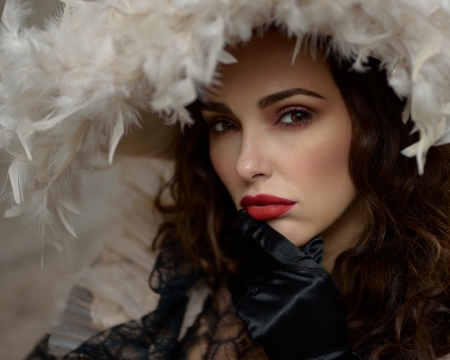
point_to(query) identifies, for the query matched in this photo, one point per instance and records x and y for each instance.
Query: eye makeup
(295, 116)
(290, 116)
(221, 126)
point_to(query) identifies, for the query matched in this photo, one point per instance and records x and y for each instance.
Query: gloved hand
(287, 299)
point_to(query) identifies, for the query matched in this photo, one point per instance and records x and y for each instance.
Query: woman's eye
(222, 126)
(295, 117)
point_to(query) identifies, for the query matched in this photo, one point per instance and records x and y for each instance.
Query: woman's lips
(265, 207)
(267, 212)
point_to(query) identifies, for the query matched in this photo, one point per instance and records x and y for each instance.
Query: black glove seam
(290, 268)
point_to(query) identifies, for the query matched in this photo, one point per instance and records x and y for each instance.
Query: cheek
(326, 160)
(317, 173)
(323, 169)
(326, 149)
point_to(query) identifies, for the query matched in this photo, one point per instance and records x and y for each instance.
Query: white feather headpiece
(71, 91)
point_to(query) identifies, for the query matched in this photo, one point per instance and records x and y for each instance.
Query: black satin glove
(287, 299)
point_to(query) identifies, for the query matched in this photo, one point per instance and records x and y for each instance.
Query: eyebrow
(216, 107)
(263, 103)
(269, 100)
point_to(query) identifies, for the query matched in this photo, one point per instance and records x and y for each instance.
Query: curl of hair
(395, 282)
(201, 214)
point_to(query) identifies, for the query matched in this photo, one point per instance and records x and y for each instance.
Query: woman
(328, 141)
(313, 134)
(308, 148)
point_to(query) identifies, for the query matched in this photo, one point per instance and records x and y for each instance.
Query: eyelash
(305, 113)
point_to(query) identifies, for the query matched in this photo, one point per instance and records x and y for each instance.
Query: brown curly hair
(395, 282)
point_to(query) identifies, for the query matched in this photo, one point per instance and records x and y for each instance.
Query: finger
(271, 241)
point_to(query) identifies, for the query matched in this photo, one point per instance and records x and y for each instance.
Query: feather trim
(118, 132)
(72, 91)
(114, 289)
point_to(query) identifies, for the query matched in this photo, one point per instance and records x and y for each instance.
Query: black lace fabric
(155, 335)
(40, 352)
(218, 332)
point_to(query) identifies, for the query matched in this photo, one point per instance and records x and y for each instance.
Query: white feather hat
(71, 92)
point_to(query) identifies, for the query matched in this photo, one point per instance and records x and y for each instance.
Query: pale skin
(284, 130)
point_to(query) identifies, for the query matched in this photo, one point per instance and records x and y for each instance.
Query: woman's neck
(343, 234)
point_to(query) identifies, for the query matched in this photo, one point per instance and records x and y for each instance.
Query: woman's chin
(296, 233)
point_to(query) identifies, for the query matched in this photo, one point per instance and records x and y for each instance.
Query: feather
(14, 211)
(66, 223)
(66, 240)
(67, 153)
(159, 55)
(4, 66)
(17, 176)
(445, 109)
(298, 44)
(184, 92)
(69, 205)
(433, 47)
(49, 122)
(118, 132)
(8, 122)
(24, 130)
(443, 133)
(58, 246)
(66, 13)
(411, 150)
(4, 185)
(215, 32)
(421, 153)
(14, 15)
(406, 114)
(226, 58)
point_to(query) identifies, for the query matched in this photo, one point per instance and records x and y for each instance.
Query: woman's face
(283, 130)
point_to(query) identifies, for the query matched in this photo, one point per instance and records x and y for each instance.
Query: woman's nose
(252, 163)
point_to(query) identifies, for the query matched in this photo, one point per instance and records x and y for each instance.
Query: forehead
(265, 66)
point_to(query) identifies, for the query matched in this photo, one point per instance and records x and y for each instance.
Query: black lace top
(218, 332)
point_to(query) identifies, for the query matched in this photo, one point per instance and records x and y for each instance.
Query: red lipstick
(265, 207)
